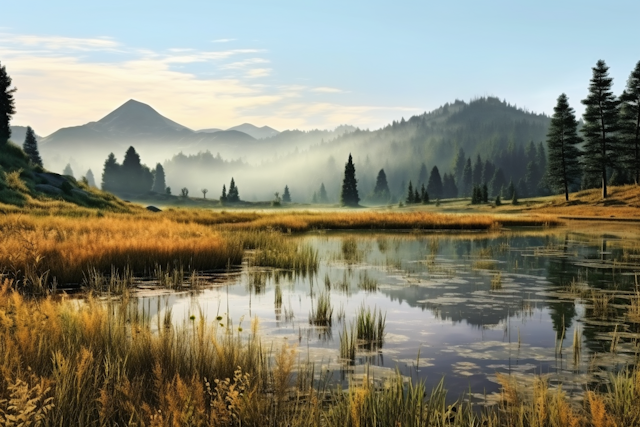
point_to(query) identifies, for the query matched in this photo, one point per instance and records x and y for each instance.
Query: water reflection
(464, 306)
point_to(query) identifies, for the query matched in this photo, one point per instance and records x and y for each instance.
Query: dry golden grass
(67, 248)
(38, 248)
(621, 202)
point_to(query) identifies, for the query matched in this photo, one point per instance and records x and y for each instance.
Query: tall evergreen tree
(30, 147)
(410, 196)
(223, 196)
(68, 171)
(467, 179)
(600, 125)
(562, 139)
(91, 180)
(434, 187)
(630, 123)
(349, 194)
(111, 174)
(233, 195)
(7, 105)
(424, 196)
(381, 191)
(322, 194)
(286, 197)
(159, 180)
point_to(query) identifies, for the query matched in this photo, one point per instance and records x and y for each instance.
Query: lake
(466, 307)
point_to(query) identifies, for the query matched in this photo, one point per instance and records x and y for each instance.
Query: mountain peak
(138, 117)
(255, 131)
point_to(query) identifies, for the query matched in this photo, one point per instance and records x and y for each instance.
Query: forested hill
(495, 130)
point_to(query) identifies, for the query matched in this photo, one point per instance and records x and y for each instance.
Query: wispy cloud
(222, 40)
(325, 89)
(66, 82)
(55, 43)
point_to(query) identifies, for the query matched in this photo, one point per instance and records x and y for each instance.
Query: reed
(323, 313)
(348, 342)
(370, 326)
(601, 304)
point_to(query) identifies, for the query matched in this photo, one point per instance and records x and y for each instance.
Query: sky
(305, 65)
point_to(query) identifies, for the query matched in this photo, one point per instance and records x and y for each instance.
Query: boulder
(51, 179)
(153, 209)
(80, 193)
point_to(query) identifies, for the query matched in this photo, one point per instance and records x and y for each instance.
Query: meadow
(39, 249)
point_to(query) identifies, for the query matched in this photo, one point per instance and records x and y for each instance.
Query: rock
(153, 209)
(51, 179)
(49, 189)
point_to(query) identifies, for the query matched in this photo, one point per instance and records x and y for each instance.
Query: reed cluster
(322, 314)
(370, 326)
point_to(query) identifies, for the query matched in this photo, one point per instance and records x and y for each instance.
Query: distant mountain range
(158, 138)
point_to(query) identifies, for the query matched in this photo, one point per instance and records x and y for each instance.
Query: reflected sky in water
(465, 307)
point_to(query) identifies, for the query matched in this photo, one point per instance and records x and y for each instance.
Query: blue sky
(313, 64)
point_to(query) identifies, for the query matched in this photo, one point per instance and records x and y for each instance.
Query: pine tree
(111, 174)
(30, 147)
(322, 194)
(600, 125)
(286, 197)
(159, 180)
(68, 171)
(424, 196)
(434, 188)
(349, 194)
(630, 123)
(381, 191)
(134, 177)
(7, 105)
(562, 139)
(223, 196)
(416, 196)
(467, 179)
(485, 193)
(410, 199)
(91, 181)
(314, 199)
(233, 196)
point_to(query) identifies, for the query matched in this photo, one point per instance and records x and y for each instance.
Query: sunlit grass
(322, 314)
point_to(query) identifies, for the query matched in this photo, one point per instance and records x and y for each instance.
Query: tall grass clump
(322, 314)
(370, 326)
(348, 342)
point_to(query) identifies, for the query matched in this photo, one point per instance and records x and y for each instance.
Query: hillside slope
(25, 186)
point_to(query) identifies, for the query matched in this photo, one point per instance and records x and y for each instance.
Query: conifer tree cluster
(232, 196)
(130, 177)
(610, 154)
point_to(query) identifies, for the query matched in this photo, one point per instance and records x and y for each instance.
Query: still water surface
(463, 307)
